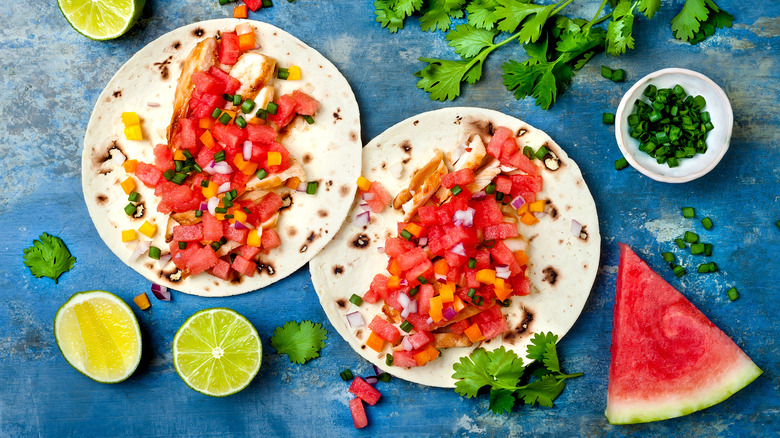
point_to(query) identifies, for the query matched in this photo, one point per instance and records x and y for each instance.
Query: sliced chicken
(422, 186)
(202, 57)
(449, 340)
(471, 159)
(276, 180)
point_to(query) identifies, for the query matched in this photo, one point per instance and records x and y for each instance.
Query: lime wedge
(101, 19)
(99, 336)
(217, 352)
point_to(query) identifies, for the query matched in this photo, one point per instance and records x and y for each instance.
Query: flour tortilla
(329, 151)
(562, 266)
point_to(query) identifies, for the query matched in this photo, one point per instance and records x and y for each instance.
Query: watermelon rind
(630, 411)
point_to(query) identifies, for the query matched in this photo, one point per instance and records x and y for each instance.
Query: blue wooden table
(51, 77)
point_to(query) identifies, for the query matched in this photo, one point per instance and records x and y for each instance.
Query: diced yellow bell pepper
(238, 215)
(128, 235)
(458, 304)
(148, 229)
(179, 155)
(474, 333)
(375, 342)
(142, 301)
(430, 353)
(130, 165)
(210, 191)
(486, 276)
(254, 238)
(250, 169)
(414, 229)
(363, 184)
(521, 257)
(134, 132)
(130, 119)
(394, 282)
(502, 289)
(436, 309)
(128, 185)
(293, 183)
(274, 158)
(207, 140)
(528, 219)
(447, 292)
(522, 210)
(295, 73)
(537, 206)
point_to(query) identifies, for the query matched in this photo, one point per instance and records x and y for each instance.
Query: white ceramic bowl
(717, 141)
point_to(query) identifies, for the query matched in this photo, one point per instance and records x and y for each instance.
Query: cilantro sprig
(48, 257)
(301, 342)
(556, 46)
(504, 373)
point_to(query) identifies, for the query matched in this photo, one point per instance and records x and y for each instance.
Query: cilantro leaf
(388, 17)
(48, 257)
(688, 21)
(538, 345)
(505, 367)
(542, 391)
(301, 342)
(438, 14)
(442, 77)
(501, 401)
(648, 7)
(619, 29)
(539, 79)
(719, 20)
(550, 358)
(407, 7)
(471, 374)
(510, 13)
(481, 13)
(468, 41)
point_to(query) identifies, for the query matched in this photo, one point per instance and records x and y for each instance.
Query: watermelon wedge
(668, 359)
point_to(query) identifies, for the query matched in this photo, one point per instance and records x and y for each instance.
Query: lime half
(99, 336)
(101, 19)
(217, 352)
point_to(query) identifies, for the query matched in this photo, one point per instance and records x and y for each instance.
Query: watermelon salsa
(223, 175)
(457, 258)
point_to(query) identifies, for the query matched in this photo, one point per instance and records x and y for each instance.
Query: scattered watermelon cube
(364, 391)
(358, 413)
(385, 330)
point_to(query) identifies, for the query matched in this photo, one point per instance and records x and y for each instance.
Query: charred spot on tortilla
(363, 347)
(311, 237)
(175, 276)
(358, 333)
(344, 190)
(117, 93)
(336, 114)
(406, 160)
(265, 266)
(287, 202)
(291, 231)
(307, 158)
(458, 119)
(176, 45)
(149, 265)
(416, 122)
(322, 213)
(406, 145)
(236, 279)
(353, 136)
(361, 241)
(341, 302)
(140, 210)
(583, 233)
(163, 67)
(303, 249)
(198, 32)
(338, 270)
(550, 275)
(329, 183)
(553, 211)
(481, 127)
(521, 132)
(552, 162)
(520, 328)
(101, 199)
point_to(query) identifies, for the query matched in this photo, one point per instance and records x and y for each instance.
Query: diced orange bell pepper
(537, 206)
(207, 139)
(522, 210)
(395, 268)
(128, 185)
(436, 309)
(458, 304)
(128, 235)
(528, 219)
(240, 12)
(179, 155)
(238, 160)
(441, 267)
(251, 168)
(502, 289)
(521, 257)
(246, 41)
(130, 165)
(238, 215)
(148, 229)
(474, 333)
(414, 229)
(430, 353)
(486, 276)
(394, 282)
(447, 292)
(375, 342)
(294, 73)
(254, 238)
(206, 123)
(142, 301)
(293, 183)
(211, 190)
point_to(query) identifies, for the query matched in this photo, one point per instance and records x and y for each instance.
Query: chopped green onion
(471, 293)
(134, 197)
(261, 174)
(621, 163)
(691, 237)
(246, 210)
(707, 223)
(707, 249)
(669, 257)
(422, 280)
(413, 291)
(263, 114)
(733, 293)
(224, 118)
(456, 190)
(221, 210)
(272, 108)
(283, 73)
(528, 151)
(168, 174)
(618, 75)
(506, 303)
(309, 119)
(697, 248)
(389, 360)
(499, 196)
(478, 300)
(680, 243)
(215, 114)
(227, 203)
(198, 213)
(219, 156)
(542, 152)
(215, 246)
(406, 234)
(237, 100)
(154, 252)
(606, 72)
(247, 106)
(179, 178)
(311, 187)
(197, 167)
(356, 300)
(229, 216)
(608, 118)
(204, 183)
(489, 243)
(228, 97)
(688, 212)
(130, 209)
(406, 326)
(183, 245)
(384, 377)
(222, 240)
(240, 122)
(491, 188)
(472, 263)
(679, 271)
(346, 375)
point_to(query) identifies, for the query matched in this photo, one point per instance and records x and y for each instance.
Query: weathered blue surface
(51, 77)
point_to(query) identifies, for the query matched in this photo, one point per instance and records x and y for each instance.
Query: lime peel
(101, 19)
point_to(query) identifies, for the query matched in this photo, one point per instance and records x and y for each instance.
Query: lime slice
(101, 19)
(99, 336)
(217, 352)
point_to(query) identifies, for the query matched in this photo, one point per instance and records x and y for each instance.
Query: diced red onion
(459, 249)
(365, 207)
(212, 205)
(355, 319)
(367, 196)
(449, 313)
(404, 283)
(301, 186)
(152, 104)
(371, 380)
(407, 344)
(502, 271)
(518, 202)
(141, 248)
(403, 300)
(422, 241)
(464, 217)
(441, 278)
(377, 370)
(478, 196)
(247, 152)
(223, 168)
(204, 206)
(239, 226)
(164, 259)
(380, 249)
(576, 228)
(412, 307)
(161, 292)
(430, 321)
(117, 157)
(405, 312)
(396, 170)
(362, 219)
(243, 28)
(224, 188)
(209, 168)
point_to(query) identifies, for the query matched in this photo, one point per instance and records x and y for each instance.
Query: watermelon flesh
(668, 359)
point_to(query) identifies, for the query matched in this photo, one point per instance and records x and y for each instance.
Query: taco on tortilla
(472, 229)
(252, 145)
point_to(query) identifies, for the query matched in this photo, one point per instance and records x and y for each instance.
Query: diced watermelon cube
(381, 198)
(231, 233)
(231, 135)
(260, 133)
(428, 215)
(500, 135)
(405, 359)
(424, 269)
(188, 233)
(455, 273)
(461, 178)
(487, 212)
(454, 260)
(181, 198)
(228, 48)
(503, 184)
(471, 278)
(248, 252)
(419, 321)
(420, 339)
(521, 162)
(253, 5)
(385, 330)
(206, 83)
(268, 206)
(163, 157)
(181, 257)
(244, 266)
(285, 111)
(304, 104)
(526, 183)
(231, 84)
(491, 322)
(238, 181)
(148, 174)
(270, 239)
(204, 259)
(508, 148)
(412, 258)
(364, 391)
(395, 246)
(359, 418)
(520, 284)
(212, 227)
(453, 235)
(483, 259)
(371, 296)
(221, 270)
(204, 104)
(187, 135)
(206, 156)
(262, 157)
(502, 255)
(460, 326)
(501, 231)
(424, 299)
